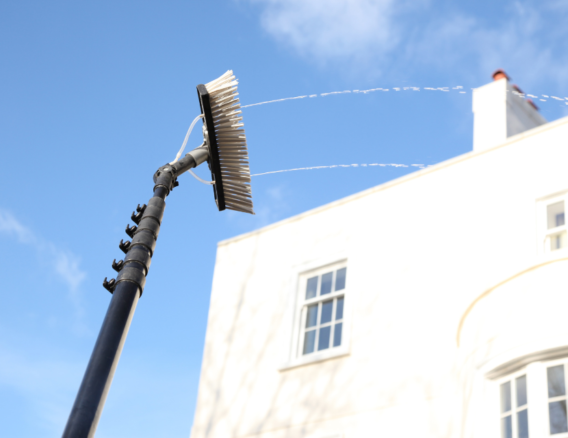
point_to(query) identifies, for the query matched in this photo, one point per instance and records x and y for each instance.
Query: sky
(95, 96)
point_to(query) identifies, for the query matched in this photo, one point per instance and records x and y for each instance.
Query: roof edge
(400, 180)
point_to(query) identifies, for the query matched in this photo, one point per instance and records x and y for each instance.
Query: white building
(431, 306)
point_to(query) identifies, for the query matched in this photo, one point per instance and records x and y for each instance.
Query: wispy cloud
(523, 41)
(527, 37)
(271, 205)
(64, 263)
(67, 267)
(274, 205)
(9, 225)
(331, 29)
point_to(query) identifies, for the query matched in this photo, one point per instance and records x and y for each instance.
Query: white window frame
(296, 313)
(319, 300)
(537, 395)
(563, 361)
(514, 408)
(544, 233)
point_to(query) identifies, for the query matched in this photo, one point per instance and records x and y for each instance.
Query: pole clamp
(146, 239)
(133, 275)
(155, 209)
(141, 255)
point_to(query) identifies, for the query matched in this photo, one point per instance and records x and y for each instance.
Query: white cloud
(420, 36)
(517, 43)
(9, 225)
(274, 205)
(47, 383)
(65, 264)
(67, 267)
(557, 5)
(276, 193)
(331, 29)
(270, 207)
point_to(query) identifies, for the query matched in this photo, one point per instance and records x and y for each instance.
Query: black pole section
(126, 289)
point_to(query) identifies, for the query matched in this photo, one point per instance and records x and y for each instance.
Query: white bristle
(231, 142)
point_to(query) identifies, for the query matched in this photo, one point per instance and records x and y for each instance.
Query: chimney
(500, 111)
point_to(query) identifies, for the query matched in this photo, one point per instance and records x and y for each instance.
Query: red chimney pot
(500, 74)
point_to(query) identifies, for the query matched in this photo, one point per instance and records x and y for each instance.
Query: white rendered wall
(420, 250)
(500, 113)
(519, 324)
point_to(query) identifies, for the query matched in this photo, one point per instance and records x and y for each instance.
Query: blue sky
(97, 95)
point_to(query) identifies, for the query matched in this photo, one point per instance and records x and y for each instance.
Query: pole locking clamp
(137, 215)
(109, 285)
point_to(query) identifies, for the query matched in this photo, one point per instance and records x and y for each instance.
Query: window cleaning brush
(225, 150)
(225, 139)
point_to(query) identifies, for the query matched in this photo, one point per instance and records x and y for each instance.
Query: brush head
(225, 137)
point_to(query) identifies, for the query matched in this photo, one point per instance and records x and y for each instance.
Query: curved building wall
(517, 328)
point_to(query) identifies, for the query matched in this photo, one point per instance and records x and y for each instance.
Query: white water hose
(200, 116)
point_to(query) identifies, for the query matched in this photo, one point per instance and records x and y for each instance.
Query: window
(322, 310)
(533, 402)
(552, 225)
(318, 313)
(556, 380)
(556, 226)
(514, 408)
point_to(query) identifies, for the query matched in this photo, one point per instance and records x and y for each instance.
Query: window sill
(318, 357)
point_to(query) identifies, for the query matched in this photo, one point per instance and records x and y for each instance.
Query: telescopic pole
(126, 290)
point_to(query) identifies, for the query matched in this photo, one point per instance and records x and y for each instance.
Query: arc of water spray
(459, 89)
(420, 166)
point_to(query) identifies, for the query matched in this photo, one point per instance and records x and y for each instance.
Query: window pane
(326, 311)
(309, 341)
(523, 424)
(506, 427)
(521, 391)
(556, 381)
(312, 288)
(337, 335)
(555, 214)
(340, 279)
(323, 342)
(557, 411)
(326, 283)
(505, 397)
(312, 316)
(339, 309)
(558, 241)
